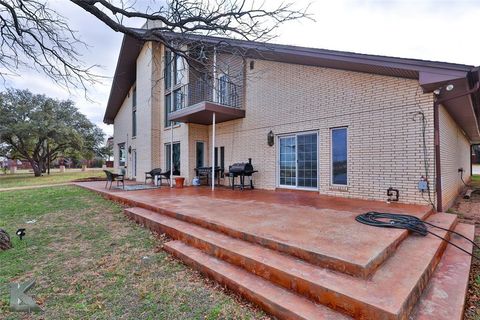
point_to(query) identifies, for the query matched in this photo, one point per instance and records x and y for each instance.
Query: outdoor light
(449, 87)
(21, 233)
(437, 92)
(270, 138)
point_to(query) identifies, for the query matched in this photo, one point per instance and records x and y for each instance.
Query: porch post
(213, 151)
(171, 155)
(172, 107)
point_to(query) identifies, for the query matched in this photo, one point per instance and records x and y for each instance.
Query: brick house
(343, 124)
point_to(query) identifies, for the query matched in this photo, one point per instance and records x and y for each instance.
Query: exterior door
(298, 161)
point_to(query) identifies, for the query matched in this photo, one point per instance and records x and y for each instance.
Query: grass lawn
(90, 262)
(28, 179)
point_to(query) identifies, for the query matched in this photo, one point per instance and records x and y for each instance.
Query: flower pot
(179, 182)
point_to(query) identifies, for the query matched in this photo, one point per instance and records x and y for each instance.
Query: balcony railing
(225, 93)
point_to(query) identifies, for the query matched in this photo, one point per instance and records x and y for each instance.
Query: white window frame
(295, 134)
(331, 158)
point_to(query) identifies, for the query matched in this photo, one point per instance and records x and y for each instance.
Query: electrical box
(423, 185)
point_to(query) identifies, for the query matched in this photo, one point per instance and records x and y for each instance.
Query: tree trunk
(5, 242)
(37, 170)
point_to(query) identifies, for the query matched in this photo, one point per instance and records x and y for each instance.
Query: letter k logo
(19, 301)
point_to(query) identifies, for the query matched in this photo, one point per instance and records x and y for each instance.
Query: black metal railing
(224, 92)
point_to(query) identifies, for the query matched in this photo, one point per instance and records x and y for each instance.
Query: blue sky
(423, 29)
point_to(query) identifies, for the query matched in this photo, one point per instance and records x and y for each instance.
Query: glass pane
(168, 106)
(307, 160)
(288, 161)
(168, 69)
(177, 100)
(179, 69)
(200, 154)
(134, 123)
(176, 158)
(339, 156)
(121, 154)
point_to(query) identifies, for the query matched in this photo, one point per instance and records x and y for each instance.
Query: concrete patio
(305, 247)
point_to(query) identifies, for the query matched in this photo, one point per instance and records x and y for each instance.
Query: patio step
(409, 269)
(328, 246)
(444, 297)
(275, 300)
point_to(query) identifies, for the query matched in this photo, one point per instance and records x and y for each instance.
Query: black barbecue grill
(241, 170)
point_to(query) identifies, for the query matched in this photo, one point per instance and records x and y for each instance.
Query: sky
(436, 30)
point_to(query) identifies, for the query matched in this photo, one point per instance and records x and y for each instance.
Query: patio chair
(150, 175)
(114, 177)
(165, 175)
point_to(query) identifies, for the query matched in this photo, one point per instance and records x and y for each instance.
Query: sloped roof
(431, 74)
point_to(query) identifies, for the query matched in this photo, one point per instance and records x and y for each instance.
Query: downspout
(436, 128)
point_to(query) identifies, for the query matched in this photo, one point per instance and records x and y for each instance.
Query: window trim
(167, 156)
(120, 145)
(277, 161)
(197, 142)
(331, 157)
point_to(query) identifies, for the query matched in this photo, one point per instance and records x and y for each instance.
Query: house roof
(431, 74)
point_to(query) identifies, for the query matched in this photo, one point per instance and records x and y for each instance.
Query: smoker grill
(241, 170)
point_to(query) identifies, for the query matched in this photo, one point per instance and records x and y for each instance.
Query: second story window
(223, 89)
(175, 72)
(168, 69)
(134, 112)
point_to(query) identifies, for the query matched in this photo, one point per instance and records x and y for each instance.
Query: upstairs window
(134, 97)
(339, 163)
(179, 69)
(168, 69)
(134, 112)
(224, 89)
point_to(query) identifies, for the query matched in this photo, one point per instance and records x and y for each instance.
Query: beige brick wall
(454, 154)
(142, 142)
(384, 135)
(122, 132)
(385, 143)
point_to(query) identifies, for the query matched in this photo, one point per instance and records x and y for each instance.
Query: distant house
(336, 123)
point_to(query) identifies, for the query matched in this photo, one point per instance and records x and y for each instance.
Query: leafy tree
(39, 129)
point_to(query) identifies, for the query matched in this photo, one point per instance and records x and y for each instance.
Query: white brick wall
(454, 154)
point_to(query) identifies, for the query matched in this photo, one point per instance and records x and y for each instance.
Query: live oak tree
(39, 129)
(34, 35)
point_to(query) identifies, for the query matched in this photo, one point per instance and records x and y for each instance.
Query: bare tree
(33, 35)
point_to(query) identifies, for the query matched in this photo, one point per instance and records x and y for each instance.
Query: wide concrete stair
(421, 279)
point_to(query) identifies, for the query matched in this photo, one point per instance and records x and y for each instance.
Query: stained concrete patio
(318, 229)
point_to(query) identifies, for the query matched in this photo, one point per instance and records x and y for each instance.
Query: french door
(298, 161)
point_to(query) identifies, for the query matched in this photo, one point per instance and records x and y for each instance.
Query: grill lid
(241, 167)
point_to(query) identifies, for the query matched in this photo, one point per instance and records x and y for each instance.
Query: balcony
(197, 101)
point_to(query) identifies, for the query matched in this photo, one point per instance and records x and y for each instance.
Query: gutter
(436, 128)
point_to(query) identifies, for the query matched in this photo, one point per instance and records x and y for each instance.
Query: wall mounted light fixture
(270, 138)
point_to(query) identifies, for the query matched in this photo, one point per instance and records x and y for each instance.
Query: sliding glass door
(298, 163)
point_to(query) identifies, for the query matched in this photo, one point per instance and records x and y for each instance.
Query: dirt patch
(468, 211)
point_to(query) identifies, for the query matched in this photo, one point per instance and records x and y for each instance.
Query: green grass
(90, 262)
(28, 179)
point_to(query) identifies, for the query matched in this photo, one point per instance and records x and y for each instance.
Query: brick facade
(385, 143)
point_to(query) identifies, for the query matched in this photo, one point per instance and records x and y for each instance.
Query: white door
(298, 161)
